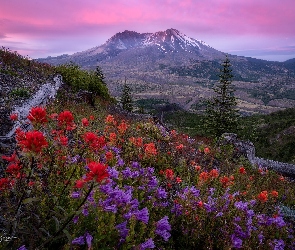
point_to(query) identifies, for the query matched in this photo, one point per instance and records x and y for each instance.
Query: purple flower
(236, 242)
(79, 241)
(241, 205)
(279, 245)
(211, 191)
(75, 219)
(279, 221)
(153, 183)
(23, 247)
(163, 227)
(89, 239)
(122, 228)
(113, 173)
(195, 192)
(250, 213)
(120, 162)
(127, 173)
(142, 215)
(177, 209)
(111, 208)
(260, 237)
(149, 244)
(75, 195)
(161, 193)
(135, 164)
(237, 218)
(219, 214)
(85, 211)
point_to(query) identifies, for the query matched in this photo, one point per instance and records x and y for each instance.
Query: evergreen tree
(99, 74)
(126, 98)
(221, 115)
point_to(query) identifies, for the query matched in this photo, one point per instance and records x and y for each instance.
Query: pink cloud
(63, 19)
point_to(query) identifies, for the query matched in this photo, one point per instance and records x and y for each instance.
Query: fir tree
(126, 99)
(99, 74)
(221, 115)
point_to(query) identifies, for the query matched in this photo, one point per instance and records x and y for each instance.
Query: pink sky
(258, 28)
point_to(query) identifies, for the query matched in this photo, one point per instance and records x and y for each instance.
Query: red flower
(207, 150)
(12, 158)
(226, 181)
(200, 204)
(242, 170)
(274, 194)
(37, 115)
(79, 183)
(66, 120)
(93, 140)
(13, 117)
(63, 140)
(173, 133)
(150, 149)
(98, 172)
(91, 118)
(169, 174)
(4, 183)
(85, 122)
(109, 155)
(204, 176)
(13, 169)
(122, 127)
(197, 168)
(179, 147)
(178, 180)
(214, 173)
(136, 141)
(110, 120)
(31, 183)
(31, 141)
(263, 196)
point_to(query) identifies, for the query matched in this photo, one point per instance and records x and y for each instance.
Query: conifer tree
(99, 74)
(221, 115)
(126, 99)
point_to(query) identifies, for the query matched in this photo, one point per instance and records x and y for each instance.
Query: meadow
(86, 177)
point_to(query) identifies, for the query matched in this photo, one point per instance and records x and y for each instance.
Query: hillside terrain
(86, 174)
(170, 66)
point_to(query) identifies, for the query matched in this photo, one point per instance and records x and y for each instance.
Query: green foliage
(80, 79)
(20, 92)
(273, 135)
(221, 114)
(126, 99)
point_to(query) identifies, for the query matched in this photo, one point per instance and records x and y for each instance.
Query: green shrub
(80, 79)
(20, 92)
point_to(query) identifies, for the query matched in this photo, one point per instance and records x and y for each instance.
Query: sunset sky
(262, 29)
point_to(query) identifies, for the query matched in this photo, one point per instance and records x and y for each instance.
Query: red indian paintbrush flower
(13, 169)
(263, 196)
(13, 117)
(66, 120)
(150, 149)
(94, 141)
(97, 171)
(33, 141)
(37, 115)
(85, 122)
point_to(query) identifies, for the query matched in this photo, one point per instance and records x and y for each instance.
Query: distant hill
(170, 65)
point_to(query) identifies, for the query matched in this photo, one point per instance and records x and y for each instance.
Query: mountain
(150, 46)
(172, 66)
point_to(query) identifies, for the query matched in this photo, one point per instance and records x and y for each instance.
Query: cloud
(80, 21)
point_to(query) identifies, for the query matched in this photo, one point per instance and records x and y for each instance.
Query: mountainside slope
(172, 66)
